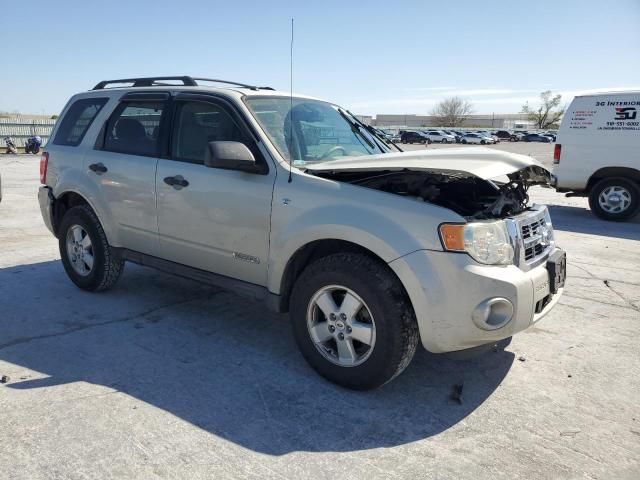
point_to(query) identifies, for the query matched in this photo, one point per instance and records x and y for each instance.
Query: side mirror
(231, 156)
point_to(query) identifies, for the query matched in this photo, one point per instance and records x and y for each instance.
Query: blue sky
(370, 56)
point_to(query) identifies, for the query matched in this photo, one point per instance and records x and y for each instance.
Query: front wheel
(482, 142)
(615, 199)
(352, 321)
(86, 255)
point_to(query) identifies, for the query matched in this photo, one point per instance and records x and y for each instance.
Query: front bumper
(46, 200)
(446, 290)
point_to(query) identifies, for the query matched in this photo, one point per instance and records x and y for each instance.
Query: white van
(597, 153)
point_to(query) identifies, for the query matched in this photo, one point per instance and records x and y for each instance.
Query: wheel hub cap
(341, 326)
(614, 199)
(80, 250)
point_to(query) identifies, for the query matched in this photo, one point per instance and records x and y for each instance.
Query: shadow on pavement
(581, 220)
(221, 363)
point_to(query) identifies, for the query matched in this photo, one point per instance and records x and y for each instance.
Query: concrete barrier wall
(19, 129)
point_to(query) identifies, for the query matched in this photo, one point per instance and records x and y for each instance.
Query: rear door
(124, 165)
(215, 220)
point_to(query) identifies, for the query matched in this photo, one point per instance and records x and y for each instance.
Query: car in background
(408, 136)
(502, 134)
(457, 135)
(477, 138)
(440, 136)
(551, 135)
(484, 133)
(536, 137)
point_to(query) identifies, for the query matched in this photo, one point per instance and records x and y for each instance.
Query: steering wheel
(331, 151)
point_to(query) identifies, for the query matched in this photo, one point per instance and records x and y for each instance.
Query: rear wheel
(86, 255)
(616, 199)
(352, 321)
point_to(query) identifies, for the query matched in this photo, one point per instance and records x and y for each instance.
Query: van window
(77, 121)
(197, 124)
(133, 128)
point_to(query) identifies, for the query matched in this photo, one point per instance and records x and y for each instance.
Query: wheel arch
(315, 250)
(608, 172)
(65, 201)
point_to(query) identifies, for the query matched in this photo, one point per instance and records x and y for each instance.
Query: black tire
(444, 140)
(482, 142)
(633, 189)
(395, 323)
(107, 266)
(464, 142)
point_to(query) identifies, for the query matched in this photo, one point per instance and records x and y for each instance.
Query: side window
(198, 123)
(77, 121)
(133, 128)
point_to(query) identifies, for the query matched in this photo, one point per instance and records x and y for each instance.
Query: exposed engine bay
(464, 193)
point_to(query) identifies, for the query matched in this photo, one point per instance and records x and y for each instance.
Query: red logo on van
(626, 113)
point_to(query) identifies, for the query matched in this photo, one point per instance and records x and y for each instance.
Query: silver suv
(295, 202)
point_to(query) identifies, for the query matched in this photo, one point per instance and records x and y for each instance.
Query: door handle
(98, 168)
(176, 182)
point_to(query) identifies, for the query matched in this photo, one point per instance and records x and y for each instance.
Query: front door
(208, 218)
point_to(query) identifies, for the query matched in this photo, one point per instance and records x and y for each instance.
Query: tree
(451, 112)
(548, 113)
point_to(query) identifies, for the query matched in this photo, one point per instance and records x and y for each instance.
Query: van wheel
(86, 255)
(352, 321)
(616, 199)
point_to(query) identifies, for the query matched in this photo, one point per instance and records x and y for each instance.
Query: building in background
(491, 120)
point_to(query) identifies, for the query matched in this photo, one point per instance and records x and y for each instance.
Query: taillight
(44, 163)
(556, 154)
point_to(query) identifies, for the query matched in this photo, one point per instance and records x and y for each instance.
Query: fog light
(493, 313)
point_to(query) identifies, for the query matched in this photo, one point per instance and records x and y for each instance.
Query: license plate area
(557, 268)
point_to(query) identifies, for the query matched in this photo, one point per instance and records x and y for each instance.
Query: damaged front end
(471, 196)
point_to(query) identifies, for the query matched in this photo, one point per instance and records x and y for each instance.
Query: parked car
(456, 137)
(597, 153)
(502, 135)
(551, 135)
(536, 137)
(489, 135)
(370, 250)
(410, 137)
(477, 138)
(439, 136)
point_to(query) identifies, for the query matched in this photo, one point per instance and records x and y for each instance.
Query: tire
(628, 190)
(482, 142)
(395, 337)
(106, 267)
(464, 142)
(444, 140)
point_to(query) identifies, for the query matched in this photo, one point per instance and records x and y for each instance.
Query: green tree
(548, 113)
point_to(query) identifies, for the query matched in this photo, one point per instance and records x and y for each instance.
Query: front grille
(533, 234)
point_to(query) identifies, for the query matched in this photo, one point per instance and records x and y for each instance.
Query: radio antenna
(291, 104)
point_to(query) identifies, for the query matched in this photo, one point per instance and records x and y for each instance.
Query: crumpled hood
(482, 162)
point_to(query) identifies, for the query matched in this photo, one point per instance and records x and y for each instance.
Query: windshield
(312, 131)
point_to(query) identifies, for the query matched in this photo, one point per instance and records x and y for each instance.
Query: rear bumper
(46, 200)
(447, 290)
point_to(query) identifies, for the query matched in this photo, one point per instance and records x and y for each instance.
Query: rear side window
(134, 127)
(77, 121)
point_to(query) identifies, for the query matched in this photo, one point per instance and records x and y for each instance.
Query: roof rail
(186, 81)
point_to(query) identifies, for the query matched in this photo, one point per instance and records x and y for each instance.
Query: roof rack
(186, 81)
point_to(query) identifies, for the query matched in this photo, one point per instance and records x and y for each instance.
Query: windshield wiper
(372, 131)
(356, 129)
